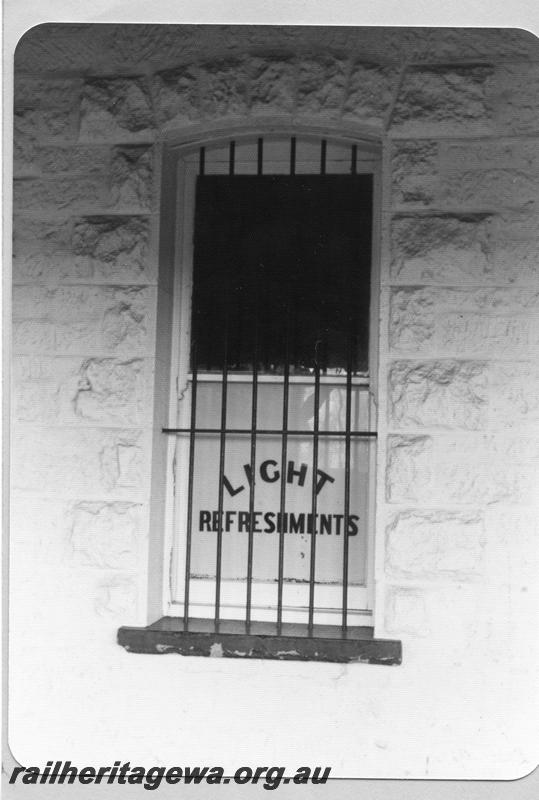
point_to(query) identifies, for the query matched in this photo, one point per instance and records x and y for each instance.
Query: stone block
(429, 545)
(112, 248)
(43, 389)
(58, 194)
(411, 319)
(521, 154)
(110, 391)
(406, 612)
(486, 335)
(224, 87)
(54, 390)
(414, 172)
(408, 472)
(370, 93)
(516, 254)
(41, 250)
(33, 127)
(176, 96)
(321, 86)
(272, 85)
(74, 160)
(439, 99)
(441, 248)
(91, 319)
(116, 109)
(492, 188)
(81, 462)
(131, 177)
(438, 394)
(513, 389)
(45, 93)
(469, 468)
(30, 336)
(514, 97)
(105, 535)
(117, 597)
(458, 322)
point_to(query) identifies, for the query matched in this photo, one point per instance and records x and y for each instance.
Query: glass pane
(267, 521)
(282, 266)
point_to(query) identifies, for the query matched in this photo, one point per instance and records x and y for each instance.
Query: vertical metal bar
(222, 447)
(260, 156)
(353, 164)
(347, 440)
(323, 150)
(194, 384)
(293, 155)
(222, 436)
(316, 424)
(201, 160)
(284, 460)
(254, 411)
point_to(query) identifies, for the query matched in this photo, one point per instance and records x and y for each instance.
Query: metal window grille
(237, 340)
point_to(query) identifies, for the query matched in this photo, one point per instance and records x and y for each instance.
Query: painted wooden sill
(232, 640)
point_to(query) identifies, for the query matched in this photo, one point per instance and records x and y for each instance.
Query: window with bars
(274, 428)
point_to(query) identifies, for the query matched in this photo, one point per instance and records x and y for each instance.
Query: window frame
(186, 169)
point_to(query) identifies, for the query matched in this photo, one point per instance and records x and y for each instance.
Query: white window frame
(186, 170)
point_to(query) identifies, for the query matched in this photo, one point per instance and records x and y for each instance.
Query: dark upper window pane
(282, 265)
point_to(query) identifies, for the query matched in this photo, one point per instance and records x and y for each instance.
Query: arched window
(272, 421)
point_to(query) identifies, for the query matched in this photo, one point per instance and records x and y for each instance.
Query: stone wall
(456, 563)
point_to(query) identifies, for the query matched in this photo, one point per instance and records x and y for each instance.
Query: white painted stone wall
(457, 532)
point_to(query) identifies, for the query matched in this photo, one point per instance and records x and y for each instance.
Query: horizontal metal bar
(277, 379)
(269, 432)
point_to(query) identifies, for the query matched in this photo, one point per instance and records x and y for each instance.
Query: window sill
(232, 640)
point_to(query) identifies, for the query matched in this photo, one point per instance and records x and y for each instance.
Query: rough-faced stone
(272, 85)
(411, 320)
(408, 473)
(438, 394)
(406, 612)
(224, 87)
(93, 248)
(321, 86)
(31, 336)
(487, 322)
(112, 248)
(110, 391)
(514, 97)
(89, 319)
(116, 109)
(59, 194)
(508, 188)
(35, 126)
(117, 597)
(55, 390)
(85, 462)
(516, 259)
(513, 394)
(443, 99)
(57, 160)
(521, 154)
(432, 545)
(441, 248)
(472, 469)
(131, 177)
(105, 535)
(176, 96)
(45, 93)
(370, 93)
(414, 172)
